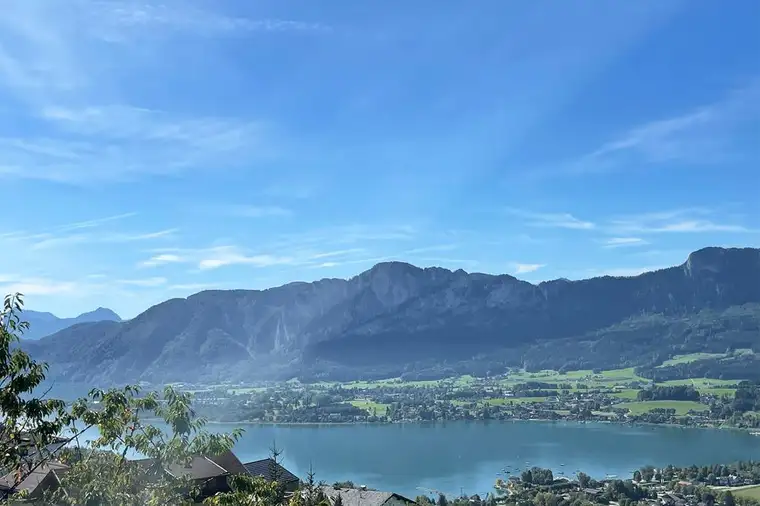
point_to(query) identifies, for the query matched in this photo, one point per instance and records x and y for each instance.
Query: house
(363, 497)
(271, 471)
(44, 477)
(209, 474)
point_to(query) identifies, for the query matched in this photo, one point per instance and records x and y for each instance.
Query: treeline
(644, 342)
(741, 408)
(738, 367)
(669, 393)
(747, 397)
(744, 472)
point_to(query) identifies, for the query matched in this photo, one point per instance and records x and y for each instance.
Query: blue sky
(152, 150)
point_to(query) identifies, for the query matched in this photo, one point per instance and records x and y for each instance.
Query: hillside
(44, 324)
(397, 318)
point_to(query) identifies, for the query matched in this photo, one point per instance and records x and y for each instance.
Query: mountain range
(396, 318)
(44, 324)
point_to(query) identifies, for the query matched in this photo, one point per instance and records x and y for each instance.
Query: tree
(584, 480)
(728, 499)
(247, 491)
(637, 475)
(29, 423)
(105, 477)
(311, 493)
(275, 472)
(442, 501)
(647, 473)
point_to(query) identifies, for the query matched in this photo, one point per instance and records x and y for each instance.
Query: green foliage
(100, 473)
(247, 491)
(108, 478)
(28, 422)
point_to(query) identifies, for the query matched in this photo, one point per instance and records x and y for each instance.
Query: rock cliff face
(393, 313)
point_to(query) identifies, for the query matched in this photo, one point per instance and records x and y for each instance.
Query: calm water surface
(466, 456)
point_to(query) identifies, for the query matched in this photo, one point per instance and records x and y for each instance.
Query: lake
(465, 456)
(457, 457)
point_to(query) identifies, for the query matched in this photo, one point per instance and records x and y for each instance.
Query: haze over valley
(397, 318)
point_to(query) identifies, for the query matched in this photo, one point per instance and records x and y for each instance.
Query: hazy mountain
(44, 324)
(397, 317)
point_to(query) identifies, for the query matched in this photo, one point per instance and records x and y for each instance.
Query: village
(625, 400)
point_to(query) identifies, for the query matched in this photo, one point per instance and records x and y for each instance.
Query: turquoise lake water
(466, 456)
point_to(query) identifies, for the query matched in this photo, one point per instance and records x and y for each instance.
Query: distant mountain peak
(100, 314)
(43, 324)
(715, 260)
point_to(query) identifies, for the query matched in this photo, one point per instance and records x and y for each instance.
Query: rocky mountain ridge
(43, 324)
(395, 316)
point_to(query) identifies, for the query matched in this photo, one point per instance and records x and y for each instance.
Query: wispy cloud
(338, 253)
(146, 282)
(122, 19)
(706, 135)
(59, 62)
(229, 255)
(518, 268)
(38, 286)
(624, 242)
(83, 232)
(113, 143)
(691, 220)
(47, 241)
(296, 250)
(162, 259)
(52, 47)
(95, 222)
(551, 220)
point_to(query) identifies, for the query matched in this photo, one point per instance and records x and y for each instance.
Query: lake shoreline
(440, 422)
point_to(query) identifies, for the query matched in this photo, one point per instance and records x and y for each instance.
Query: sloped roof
(35, 478)
(230, 463)
(263, 468)
(359, 497)
(199, 468)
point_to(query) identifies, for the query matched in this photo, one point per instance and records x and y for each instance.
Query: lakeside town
(609, 396)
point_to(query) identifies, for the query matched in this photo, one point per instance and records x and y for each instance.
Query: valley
(398, 320)
(612, 396)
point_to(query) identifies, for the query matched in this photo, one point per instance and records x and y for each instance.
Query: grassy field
(749, 492)
(681, 407)
(604, 379)
(691, 357)
(700, 383)
(370, 406)
(628, 394)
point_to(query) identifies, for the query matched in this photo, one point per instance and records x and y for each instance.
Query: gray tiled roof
(35, 478)
(263, 468)
(200, 468)
(357, 497)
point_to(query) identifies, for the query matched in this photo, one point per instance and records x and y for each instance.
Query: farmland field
(681, 407)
